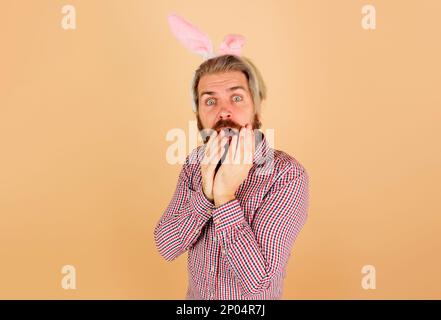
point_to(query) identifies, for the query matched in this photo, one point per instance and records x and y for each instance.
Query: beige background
(84, 114)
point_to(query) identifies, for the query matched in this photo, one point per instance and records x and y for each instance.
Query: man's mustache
(226, 123)
(205, 133)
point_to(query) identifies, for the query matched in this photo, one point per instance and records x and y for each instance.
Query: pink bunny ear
(232, 44)
(190, 36)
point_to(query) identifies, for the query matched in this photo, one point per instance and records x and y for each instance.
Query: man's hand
(213, 153)
(234, 170)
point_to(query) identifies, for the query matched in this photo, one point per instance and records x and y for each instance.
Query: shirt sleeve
(181, 224)
(258, 252)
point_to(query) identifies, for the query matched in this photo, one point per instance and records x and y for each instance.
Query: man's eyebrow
(236, 87)
(229, 89)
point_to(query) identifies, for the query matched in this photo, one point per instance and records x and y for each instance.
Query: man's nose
(226, 111)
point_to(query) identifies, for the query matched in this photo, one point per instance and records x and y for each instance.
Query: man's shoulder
(286, 167)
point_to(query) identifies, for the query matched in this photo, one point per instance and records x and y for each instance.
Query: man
(239, 204)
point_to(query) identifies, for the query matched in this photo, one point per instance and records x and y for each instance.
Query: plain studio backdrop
(84, 114)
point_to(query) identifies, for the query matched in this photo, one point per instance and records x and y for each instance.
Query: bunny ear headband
(198, 42)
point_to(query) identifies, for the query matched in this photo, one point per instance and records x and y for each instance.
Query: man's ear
(257, 122)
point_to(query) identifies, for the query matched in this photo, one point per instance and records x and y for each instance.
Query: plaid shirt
(240, 249)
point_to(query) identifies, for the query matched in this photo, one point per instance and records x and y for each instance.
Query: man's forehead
(222, 81)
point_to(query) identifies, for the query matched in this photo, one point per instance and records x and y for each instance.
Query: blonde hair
(227, 63)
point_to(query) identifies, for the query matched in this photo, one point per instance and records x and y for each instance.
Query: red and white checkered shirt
(238, 250)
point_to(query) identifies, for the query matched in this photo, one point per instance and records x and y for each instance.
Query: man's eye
(209, 102)
(237, 98)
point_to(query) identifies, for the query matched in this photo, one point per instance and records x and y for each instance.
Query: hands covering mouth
(229, 133)
(227, 159)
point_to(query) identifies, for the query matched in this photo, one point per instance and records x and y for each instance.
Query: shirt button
(215, 239)
(212, 269)
(209, 211)
(223, 251)
(216, 221)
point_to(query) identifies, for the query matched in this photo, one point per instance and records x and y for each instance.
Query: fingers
(213, 150)
(240, 150)
(249, 146)
(239, 154)
(217, 154)
(211, 141)
(209, 146)
(233, 150)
